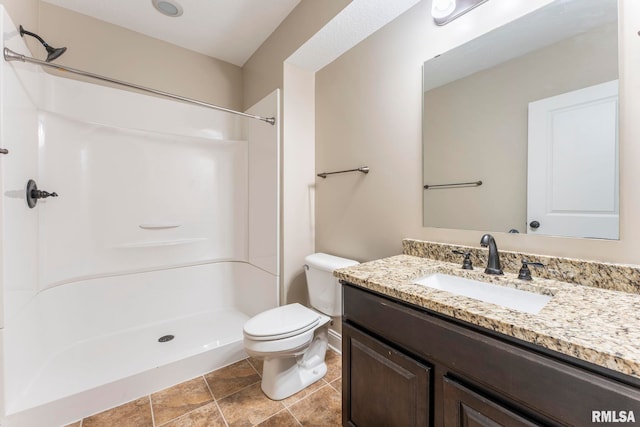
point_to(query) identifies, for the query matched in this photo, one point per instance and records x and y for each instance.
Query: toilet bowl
(292, 339)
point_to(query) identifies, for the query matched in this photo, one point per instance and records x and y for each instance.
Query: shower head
(52, 52)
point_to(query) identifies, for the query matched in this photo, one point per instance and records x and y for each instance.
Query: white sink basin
(528, 302)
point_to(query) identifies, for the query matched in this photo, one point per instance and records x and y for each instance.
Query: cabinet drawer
(464, 407)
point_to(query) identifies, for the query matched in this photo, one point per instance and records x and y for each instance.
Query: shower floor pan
(106, 371)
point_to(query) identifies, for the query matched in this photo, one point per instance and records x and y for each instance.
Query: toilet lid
(281, 322)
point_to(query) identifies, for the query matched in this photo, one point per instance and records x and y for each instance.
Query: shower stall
(162, 241)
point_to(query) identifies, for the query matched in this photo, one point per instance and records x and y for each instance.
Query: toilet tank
(325, 293)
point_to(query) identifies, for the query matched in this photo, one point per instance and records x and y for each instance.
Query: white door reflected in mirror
(572, 184)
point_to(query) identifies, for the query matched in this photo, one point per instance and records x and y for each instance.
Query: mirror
(523, 122)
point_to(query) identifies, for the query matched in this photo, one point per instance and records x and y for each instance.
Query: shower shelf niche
(159, 225)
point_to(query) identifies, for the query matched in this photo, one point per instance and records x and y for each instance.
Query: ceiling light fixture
(168, 7)
(445, 11)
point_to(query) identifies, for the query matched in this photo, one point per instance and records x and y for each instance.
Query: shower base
(93, 375)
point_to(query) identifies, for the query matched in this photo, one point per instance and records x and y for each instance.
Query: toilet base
(285, 376)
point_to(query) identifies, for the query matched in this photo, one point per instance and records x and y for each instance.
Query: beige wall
(25, 13)
(298, 189)
(263, 72)
(203, 77)
(368, 111)
(102, 48)
(476, 128)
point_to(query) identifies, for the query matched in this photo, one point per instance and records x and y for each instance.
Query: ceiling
(230, 30)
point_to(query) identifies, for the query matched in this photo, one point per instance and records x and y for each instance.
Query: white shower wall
(167, 217)
(136, 199)
(166, 190)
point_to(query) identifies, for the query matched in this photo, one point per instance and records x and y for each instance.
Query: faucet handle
(466, 264)
(525, 273)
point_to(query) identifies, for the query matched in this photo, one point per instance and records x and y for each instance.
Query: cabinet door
(465, 408)
(383, 387)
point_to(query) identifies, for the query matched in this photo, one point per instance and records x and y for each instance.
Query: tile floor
(231, 396)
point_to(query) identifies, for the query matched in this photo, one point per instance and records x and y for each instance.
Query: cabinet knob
(534, 224)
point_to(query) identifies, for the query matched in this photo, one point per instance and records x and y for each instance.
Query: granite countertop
(600, 326)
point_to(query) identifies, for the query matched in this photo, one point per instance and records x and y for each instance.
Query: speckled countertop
(596, 325)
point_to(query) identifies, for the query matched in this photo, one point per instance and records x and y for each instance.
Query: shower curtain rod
(10, 55)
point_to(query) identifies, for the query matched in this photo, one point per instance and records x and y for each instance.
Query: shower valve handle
(33, 194)
(41, 194)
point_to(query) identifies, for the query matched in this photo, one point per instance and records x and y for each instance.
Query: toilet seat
(281, 322)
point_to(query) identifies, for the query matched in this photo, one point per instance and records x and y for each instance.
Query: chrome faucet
(493, 263)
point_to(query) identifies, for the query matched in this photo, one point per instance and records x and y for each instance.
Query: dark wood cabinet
(466, 408)
(406, 366)
(387, 388)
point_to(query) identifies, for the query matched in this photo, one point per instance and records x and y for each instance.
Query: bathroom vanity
(414, 356)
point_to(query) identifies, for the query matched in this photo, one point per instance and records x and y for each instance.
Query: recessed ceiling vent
(168, 7)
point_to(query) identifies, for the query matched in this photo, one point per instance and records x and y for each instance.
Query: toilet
(292, 339)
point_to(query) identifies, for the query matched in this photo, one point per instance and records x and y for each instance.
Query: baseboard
(335, 341)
